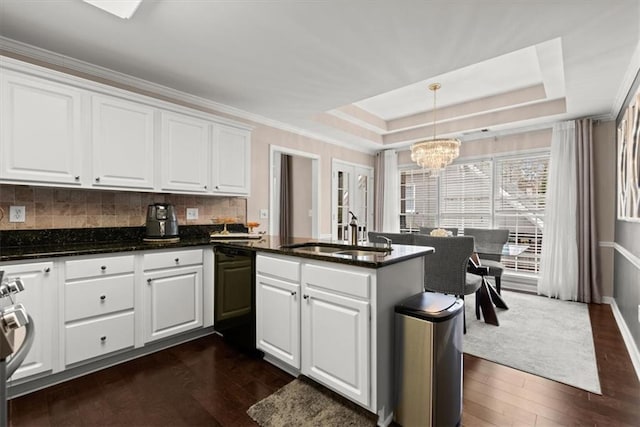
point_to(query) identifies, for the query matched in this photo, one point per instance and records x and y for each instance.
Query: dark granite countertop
(273, 244)
(38, 244)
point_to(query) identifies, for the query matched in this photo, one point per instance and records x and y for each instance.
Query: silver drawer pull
(103, 338)
(103, 297)
(103, 268)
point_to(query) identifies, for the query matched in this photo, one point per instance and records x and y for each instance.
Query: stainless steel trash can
(428, 360)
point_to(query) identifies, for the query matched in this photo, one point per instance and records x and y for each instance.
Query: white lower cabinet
(336, 329)
(315, 318)
(38, 297)
(98, 306)
(172, 293)
(278, 319)
(97, 337)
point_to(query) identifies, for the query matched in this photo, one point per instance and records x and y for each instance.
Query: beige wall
(261, 140)
(499, 144)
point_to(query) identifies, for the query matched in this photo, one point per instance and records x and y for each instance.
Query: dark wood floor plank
(207, 382)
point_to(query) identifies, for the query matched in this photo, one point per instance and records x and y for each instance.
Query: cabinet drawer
(98, 296)
(156, 260)
(98, 337)
(337, 280)
(93, 267)
(278, 267)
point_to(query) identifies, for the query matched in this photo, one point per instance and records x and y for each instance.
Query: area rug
(540, 335)
(304, 403)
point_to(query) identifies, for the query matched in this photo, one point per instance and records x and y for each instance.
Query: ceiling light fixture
(121, 8)
(437, 153)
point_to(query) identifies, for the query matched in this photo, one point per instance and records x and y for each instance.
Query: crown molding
(626, 85)
(60, 60)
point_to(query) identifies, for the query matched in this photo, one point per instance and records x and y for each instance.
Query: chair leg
(498, 284)
(477, 306)
(464, 317)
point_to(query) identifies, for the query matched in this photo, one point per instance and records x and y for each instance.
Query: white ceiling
(310, 64)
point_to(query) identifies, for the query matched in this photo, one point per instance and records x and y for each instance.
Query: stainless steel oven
(234, 296)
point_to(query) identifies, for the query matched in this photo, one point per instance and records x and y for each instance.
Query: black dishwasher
(234, 296)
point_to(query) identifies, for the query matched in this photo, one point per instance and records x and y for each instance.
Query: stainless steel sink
(359, 253)
(321, 248)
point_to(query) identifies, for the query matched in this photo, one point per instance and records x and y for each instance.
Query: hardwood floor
(208, 383)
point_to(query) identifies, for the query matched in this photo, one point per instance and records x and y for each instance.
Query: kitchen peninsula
(325, 313)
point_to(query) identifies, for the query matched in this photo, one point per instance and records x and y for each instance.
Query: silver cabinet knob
(103, 338)
(305, 296)
(205, 187)
(103, 267)
(177, 260)
(293, 294)
(47, 270)
(98, 179)
(103, 297)
(149, 281)
(77, 178)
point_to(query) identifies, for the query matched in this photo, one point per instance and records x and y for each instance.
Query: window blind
(519, 199)
(418, 200)
(465, 195)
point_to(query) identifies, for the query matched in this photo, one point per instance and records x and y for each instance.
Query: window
(504, 192)
(418, 200)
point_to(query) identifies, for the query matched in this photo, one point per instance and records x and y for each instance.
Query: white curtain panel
(391, 209)
(559, 262)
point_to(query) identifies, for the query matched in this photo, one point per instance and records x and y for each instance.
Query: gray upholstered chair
(489, 244)
(427, 230)
(396, 238)
(446, 268)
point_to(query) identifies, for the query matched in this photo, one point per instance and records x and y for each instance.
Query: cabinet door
(173, 302)
(39, 297)
(122, 136)
(185, 143)
(41, 136)
(278, 319)
(231, 160)
(336, 343)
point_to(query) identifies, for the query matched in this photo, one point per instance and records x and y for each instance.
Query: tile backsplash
(47, 207)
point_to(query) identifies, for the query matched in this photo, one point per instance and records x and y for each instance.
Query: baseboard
(632, 348)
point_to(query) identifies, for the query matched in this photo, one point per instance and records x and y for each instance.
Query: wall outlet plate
(264, 213)
(17, 214)
(192, 213)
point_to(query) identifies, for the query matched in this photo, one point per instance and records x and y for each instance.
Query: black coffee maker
(162, 222)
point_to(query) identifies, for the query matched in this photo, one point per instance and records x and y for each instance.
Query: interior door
(352, 191)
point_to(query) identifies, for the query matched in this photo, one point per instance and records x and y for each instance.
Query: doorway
(304, 191)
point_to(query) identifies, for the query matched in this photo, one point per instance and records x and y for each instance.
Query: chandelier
(435, 154)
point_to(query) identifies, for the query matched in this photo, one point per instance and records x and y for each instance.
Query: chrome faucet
(354, 229)
(387, 241)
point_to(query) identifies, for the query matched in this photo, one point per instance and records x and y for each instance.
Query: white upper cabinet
(61, 130)
(41, 136)
(122, 143)
(231, 160)
(184, 145)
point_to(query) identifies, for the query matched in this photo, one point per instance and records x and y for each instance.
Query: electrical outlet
(192, 213)
(17, 214)
(264, 213)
